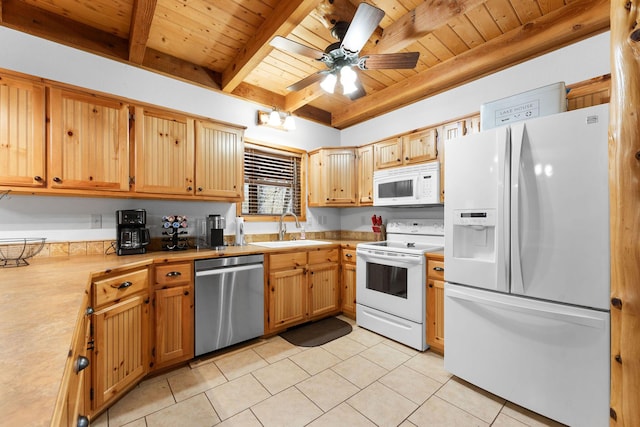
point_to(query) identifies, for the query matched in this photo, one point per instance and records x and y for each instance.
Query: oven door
(391, 282)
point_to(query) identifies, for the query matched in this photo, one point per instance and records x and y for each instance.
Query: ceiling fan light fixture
(348, 79)
(329, 83)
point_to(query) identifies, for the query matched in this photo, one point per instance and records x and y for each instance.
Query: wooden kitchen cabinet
(287, 290)
(219, 161)
(332, 177)
(72, 402)
(348, 282)
(22, 132)
(121, 324)
(315, 186)
(388, 153)
(419, 147)
(365, 175)
(435, 302)
(164, 152)
(89, 140)
(324, 282)
(302, 286)
(173, 314)
(416, 147)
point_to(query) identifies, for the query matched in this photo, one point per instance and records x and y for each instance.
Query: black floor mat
(317, 333)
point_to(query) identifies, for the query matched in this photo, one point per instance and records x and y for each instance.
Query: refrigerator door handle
(548, 312)
(504, 208)
(517, 284)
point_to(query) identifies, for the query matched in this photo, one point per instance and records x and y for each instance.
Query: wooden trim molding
(624, 202)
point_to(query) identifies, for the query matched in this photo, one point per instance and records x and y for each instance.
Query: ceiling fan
(342, 56)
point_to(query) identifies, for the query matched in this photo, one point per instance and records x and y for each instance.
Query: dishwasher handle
(225, 270)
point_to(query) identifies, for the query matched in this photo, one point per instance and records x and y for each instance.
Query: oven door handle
(396, 259)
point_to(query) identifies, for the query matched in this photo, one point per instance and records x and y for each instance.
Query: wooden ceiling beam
(285, 17)
(180, 69)
(28, 19)
(574, 22)
(421, 21)
(141, 17)
(296, 100)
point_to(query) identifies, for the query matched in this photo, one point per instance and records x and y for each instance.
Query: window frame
(303, 182)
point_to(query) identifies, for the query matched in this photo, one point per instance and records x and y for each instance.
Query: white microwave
(407, 185)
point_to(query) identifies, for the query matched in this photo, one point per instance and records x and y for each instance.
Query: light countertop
(39, 305)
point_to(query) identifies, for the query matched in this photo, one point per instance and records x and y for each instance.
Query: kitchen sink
(290, 243)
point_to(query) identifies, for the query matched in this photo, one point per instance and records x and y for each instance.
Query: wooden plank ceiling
(224, 44)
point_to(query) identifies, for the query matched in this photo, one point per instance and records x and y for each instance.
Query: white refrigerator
(527, 264)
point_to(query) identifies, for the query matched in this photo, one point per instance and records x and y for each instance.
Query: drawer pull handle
(82, 363)
(173, 274)
(349, 255)
(438, 269)
(123, 285)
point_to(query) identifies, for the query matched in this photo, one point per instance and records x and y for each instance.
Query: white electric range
(391, 280)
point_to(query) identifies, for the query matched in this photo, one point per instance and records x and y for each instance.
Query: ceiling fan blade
(364, 23)
(358, 93)
(387, 61)
(297, 48)
(307, 81)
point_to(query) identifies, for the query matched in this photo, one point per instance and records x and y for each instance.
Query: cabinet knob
(81, 364)
(189, 188)
(200, 188)
(37, 178)
(406, 158)
(89, 311)
(431, 285)
(83, 421)
(186, 293)
(57, 179)
(122, 285)
(349, 255)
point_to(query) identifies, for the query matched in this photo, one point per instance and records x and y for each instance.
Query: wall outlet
(96, 221)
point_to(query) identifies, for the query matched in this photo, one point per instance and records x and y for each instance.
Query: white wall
(580, 61)
(69, 218)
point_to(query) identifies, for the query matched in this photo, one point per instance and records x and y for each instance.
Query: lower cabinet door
(287, 298)
(349, 290)
(121, 353)
(174, 325)
(324, 290)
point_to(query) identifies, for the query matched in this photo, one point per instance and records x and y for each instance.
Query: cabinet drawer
(288, 260)
(121, 286)
(348, 255)
(169, 274)
(435, 269)
(320, 256)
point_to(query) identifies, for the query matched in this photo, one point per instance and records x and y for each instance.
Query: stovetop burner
(414, 236)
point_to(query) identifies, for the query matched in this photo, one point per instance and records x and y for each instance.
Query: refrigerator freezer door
(476, 211)
(560, 208)
(550, 358)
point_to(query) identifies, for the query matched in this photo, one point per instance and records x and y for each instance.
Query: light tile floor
(362, 379)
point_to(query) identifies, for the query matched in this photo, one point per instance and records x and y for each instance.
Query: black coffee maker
(132, 234)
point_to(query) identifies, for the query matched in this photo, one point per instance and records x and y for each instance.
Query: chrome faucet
(282, 228)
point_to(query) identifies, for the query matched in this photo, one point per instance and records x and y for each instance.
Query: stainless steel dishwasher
(229, 296)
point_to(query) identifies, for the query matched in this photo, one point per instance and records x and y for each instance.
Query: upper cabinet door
(419, 147)
(89, 141)
(219, 161)
(164, 152)
(22, 132)
(388, 153)
(339, 176)
(365, 175)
